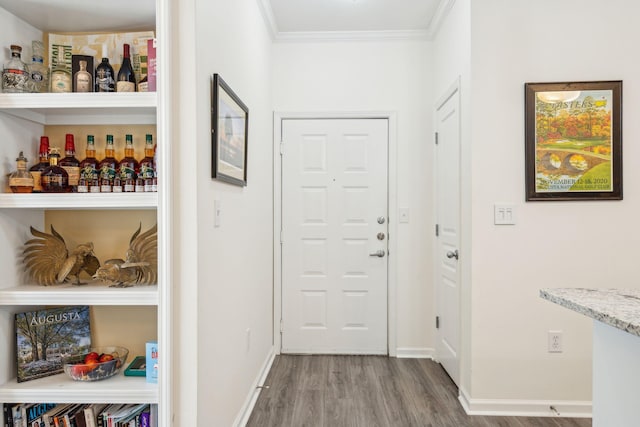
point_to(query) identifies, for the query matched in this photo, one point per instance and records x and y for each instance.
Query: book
(151, 65)
(33, 413)
(8, 416)
(91, 412)
(152, 361)
(48, 417)
(45, 337)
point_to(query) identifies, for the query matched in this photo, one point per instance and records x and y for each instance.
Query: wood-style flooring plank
(370, 391)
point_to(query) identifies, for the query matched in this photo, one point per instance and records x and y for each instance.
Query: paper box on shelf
(106, 46)
(152, 361)
(151, 61)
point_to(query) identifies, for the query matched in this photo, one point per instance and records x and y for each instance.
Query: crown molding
(333, 36)
(269, 17)
(443, 9)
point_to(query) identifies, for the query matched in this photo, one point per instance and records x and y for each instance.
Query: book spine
(8, 417)
(144, 419)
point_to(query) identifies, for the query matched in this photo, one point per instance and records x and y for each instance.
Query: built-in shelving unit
(81, 108)
(62, 389)
(79, 201)
(23, 118)
(67, 294)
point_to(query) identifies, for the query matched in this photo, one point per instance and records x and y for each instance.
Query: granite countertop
(619, 308)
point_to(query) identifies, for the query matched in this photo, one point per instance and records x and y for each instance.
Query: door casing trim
(391, 116)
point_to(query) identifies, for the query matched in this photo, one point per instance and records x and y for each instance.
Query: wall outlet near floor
(554, 341)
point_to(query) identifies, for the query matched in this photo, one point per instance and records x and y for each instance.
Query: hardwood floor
(369, 391)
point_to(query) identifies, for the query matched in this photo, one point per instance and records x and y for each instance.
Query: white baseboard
(243, 416)
(415, 353)
(524, 408)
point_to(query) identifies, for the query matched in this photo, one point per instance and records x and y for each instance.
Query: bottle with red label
(70, 163)
(36, 170)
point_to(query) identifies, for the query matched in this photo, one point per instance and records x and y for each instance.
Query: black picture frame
(573, 140)
(229, 134)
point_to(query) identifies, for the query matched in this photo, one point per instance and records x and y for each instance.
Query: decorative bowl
(94, 370)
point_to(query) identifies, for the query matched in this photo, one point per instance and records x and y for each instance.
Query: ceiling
(285, 17)
(353, 15)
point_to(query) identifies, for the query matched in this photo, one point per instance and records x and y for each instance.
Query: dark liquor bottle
(104, 77)
(36, 170)
(54, 178)
(89, 181)
(126, 77)
(148, 165)
(70, 163)
(128, 166)
(107, 167)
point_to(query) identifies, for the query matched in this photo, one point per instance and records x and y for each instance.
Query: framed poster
(229, 129)
(573, 141)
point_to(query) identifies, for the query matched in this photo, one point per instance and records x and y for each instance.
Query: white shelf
(62, 389)
(82, 108)
(67, 294)
(80, 201)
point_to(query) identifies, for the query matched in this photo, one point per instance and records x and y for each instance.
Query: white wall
(224, 282)
(554, 244)
(379, 76)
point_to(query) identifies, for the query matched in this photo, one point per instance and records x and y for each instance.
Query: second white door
(334, 236)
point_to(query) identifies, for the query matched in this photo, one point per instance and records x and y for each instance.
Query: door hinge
(436, 138)
(281, 237)
(281, 326)
(437, 322)
(281, 148)
(437, 230)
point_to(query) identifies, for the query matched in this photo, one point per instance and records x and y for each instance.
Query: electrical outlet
(554, 341)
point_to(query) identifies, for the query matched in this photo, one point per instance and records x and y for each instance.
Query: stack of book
(79, 415)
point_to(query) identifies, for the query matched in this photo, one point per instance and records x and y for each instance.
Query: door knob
(380, 236)
(452, 254)
(381, 220)
(379, 253)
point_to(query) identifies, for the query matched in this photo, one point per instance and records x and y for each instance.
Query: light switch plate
(217, 213)
(504, 214)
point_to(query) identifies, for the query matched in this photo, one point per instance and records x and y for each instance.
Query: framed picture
(573, 140)
(229, 129)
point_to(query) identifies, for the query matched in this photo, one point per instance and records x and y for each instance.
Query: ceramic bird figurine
(140, 266)
(48, 261)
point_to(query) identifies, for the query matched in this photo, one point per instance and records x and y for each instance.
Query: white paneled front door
(334, 236)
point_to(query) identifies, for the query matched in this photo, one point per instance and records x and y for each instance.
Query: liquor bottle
(126, 77)
(54, 178)
(83, 80)
(36, 170)
(104, 77)
(143, 85)
(21, 181)
(107, 167)
(128, 166)
(61, 68)
(15, 77)
(70, 163)
(89, 179)
(39, 72)
(147, 164)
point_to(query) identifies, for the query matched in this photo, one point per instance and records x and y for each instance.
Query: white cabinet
(23, 118)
